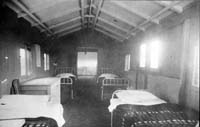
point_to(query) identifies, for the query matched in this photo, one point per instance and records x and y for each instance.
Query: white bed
(45, 86)
(18, 107)
(135, 97)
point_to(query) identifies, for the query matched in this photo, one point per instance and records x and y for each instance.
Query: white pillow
(13, 99)
(65, 75)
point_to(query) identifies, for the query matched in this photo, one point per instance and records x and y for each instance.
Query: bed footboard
(111, 85)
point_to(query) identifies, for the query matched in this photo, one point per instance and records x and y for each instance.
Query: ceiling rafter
(82, 12)
(121, 19)
(111, 31)
(90, 12)
(98, 12)
(51, 4)
(65, 22)
(113, 25)
(132, 10)
(108, 34)
(68, 12)
(67, 28)
(21, 6)
(177, 9)
(69, 32)
(154, 16)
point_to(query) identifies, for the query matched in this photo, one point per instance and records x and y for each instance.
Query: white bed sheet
(29, 108)
(12, 123)
(135, 97)
(54, 82)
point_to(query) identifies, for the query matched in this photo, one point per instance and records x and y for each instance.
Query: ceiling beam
(67, 12)
(136, 12)
(177, 9)
(21, 6)
(47, 6)
(121, 19)
(67, 28)
(155, 15)
(69, 32)
(113, 25)
(98, 12)
(65, 22)
(82, 12)
(111, 31)
(108, 34)
(90, 12)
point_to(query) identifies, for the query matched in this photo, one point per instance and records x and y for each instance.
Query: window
(127, 62)
(46, 62)
(195, 79)
(23, 61)
(87, 63)
(143, 55)
(29, 62)
(154, 54)
(38, 55)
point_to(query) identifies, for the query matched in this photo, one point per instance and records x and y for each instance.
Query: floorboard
(86, 110)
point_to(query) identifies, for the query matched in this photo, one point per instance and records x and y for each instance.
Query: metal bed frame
(59, 70)
(68, 81)
(114, 82)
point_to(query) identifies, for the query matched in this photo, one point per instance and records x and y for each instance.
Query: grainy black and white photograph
(99, 63)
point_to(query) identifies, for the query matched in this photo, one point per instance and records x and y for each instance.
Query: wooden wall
(15, 34)
(110, 53)
(167, 81)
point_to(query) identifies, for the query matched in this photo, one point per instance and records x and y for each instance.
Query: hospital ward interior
(99, 63)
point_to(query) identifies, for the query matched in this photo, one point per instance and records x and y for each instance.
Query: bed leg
(102, 93)
(72, 93)
(111, 119)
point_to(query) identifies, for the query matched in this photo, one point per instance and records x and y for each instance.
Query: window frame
(127, 65)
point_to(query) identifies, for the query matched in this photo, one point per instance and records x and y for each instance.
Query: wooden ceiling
(115, 18)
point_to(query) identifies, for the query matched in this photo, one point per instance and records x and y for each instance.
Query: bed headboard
(105, 70)
(116, 82)
(60, 70)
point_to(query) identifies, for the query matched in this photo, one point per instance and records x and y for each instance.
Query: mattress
(53, 82)
(161, 115)
(30, 107)
(134, 97)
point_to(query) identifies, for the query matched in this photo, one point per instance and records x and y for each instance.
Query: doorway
(87, 63)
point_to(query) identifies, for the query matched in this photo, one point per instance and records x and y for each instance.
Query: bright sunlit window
(38, 55)
(143, 55)
(154, 54)
(195, 80)
(25, 61)
(127, 62)
(29, 62)
(22, 61)
(46, 62)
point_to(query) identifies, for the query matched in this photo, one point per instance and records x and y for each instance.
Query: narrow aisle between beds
(86, 110)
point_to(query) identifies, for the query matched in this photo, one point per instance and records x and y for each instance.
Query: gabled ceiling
(115, 18)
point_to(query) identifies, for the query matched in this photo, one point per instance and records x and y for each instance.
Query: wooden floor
(86, 110)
